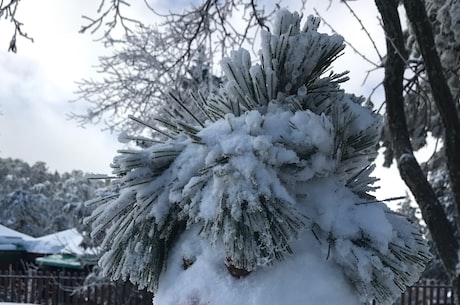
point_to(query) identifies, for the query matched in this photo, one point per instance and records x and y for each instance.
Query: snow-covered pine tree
(267, 201)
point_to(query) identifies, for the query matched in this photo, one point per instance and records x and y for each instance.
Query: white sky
(37, 83)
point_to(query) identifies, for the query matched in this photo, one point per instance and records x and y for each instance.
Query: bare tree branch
(369, 36)
(151, 58)
(113, 10)
(365, 57)
(8, 11)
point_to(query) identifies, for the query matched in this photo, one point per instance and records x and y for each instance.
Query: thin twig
(364, 29)
(347, 42)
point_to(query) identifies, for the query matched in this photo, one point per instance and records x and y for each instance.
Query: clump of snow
(304, 278)
(267, 201)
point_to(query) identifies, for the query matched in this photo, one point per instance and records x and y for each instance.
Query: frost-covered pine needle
(267, 187)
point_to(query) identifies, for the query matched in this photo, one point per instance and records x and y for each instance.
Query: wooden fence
(49, 288)
(427, 293)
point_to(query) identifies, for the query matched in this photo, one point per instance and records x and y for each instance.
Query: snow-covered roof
(8, 246)
(67, 261)
(66, 241)
(11, 240)
(10, 233)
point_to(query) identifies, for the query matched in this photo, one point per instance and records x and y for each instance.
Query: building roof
(61, 261)
(7, 232)
(11, 240)
(63, 247)
(67, 242)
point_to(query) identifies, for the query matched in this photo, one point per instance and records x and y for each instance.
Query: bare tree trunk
(415, 10)
(442, 232)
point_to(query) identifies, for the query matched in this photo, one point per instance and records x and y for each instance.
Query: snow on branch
(277, 171)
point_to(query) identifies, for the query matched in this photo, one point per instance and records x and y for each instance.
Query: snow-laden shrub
(269, 196)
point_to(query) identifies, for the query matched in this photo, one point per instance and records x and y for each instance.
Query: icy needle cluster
(280, 169)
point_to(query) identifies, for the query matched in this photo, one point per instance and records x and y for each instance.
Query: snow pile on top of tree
(266, 202)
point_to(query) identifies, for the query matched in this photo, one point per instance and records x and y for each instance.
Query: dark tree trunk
(415, 10)
(433, 213)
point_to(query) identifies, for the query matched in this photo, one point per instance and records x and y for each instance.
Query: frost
(265, 202)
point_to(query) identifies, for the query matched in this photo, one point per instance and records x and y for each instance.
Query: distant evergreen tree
(279, 169)
(37, 202)
(25, 211)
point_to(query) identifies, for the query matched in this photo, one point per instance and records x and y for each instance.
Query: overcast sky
(37, 82)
